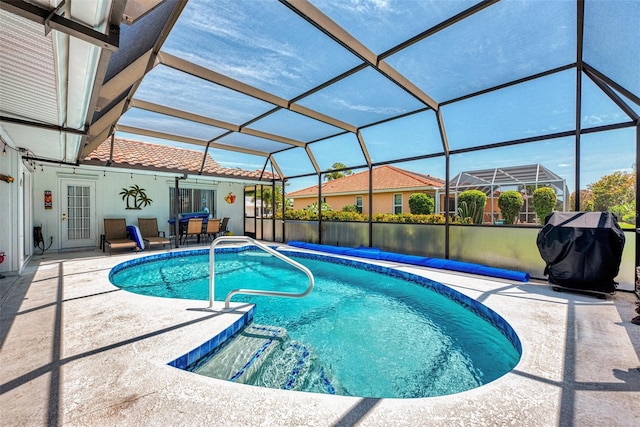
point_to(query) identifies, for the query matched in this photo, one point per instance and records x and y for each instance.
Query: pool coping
(579, 363)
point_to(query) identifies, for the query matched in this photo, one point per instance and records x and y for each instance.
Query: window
(193, 200)
(359, 203)
(397, 203)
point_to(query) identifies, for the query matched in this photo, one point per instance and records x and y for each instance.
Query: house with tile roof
(391, 189)
(100, 181)
(127, 153)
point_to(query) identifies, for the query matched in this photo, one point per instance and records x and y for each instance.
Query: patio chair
(194, 228)
(213, 228)
(224, 226)
(150, 234)
(115, 234)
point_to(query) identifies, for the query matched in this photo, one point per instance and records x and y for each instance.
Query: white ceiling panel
(27, 70)
(42, 143)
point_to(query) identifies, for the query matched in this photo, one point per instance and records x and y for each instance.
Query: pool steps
(239, 360)
(265, 356)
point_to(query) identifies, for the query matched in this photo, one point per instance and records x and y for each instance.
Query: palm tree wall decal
(139, 195)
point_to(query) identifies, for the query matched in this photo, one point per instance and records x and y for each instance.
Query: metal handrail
(254, 291)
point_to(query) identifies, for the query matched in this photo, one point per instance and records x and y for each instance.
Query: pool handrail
(253, 291)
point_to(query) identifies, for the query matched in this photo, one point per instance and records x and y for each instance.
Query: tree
(474, 201)
(544, 200)
(270, 201)
(313, 207)
(612, 190)
(339, 170)
(586, 201)
(421, 203)
(510, 202)
(625, 212)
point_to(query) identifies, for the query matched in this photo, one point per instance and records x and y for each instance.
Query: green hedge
(410, 218)
(341, 216)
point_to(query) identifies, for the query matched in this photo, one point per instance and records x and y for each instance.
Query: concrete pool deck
(76, 350)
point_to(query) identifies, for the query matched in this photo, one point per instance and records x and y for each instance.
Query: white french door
(77, 213)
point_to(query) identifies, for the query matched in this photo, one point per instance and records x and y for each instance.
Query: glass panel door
(77, 222)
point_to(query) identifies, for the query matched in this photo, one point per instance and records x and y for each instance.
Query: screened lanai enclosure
(492, 182)
(312, 91)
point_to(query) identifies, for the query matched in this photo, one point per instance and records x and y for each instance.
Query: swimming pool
(364, 330)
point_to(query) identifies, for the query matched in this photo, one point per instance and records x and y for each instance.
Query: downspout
(176, 203)
(256, 210)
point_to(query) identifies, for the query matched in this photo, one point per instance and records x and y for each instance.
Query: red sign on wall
(48, 199)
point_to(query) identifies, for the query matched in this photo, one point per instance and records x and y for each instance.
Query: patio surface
(76, 350)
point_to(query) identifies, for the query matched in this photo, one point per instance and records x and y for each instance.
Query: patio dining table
(183, 221)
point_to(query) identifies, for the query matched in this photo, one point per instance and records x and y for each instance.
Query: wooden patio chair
(224, 226)
(213, 228)
(115, 234)
(150, 234)
(194, 228)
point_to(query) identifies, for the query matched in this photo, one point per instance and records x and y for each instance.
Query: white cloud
(364, 6)
(367, 108)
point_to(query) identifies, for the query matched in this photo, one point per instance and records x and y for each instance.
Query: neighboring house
(393, 186)
(254, 207)
(391, 190)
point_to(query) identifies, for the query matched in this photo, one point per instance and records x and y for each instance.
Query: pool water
(371, 334)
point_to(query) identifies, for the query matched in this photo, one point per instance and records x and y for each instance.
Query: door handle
(64, 216)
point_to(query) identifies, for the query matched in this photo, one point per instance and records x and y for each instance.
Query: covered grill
(583, 250)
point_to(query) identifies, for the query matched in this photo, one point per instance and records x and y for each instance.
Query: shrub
(349, 208)
(625, 212)
(344, 216)
(301, 214)
(544, 200)
(308, 215)
(472, 203)
(409, 218)
(313, 207)
(510, 202)
(421, 203)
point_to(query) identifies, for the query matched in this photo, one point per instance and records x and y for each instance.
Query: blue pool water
(371, 331)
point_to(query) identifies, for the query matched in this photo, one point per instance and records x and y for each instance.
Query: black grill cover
(583, 250)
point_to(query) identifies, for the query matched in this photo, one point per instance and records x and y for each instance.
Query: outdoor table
(183, 220)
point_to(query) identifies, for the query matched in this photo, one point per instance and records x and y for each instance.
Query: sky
(263, 44)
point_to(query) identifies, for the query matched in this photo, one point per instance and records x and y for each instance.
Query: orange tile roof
(128, 153)
(384, 178)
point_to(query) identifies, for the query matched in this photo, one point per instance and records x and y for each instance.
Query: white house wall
(109, 204)
(10, 212)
